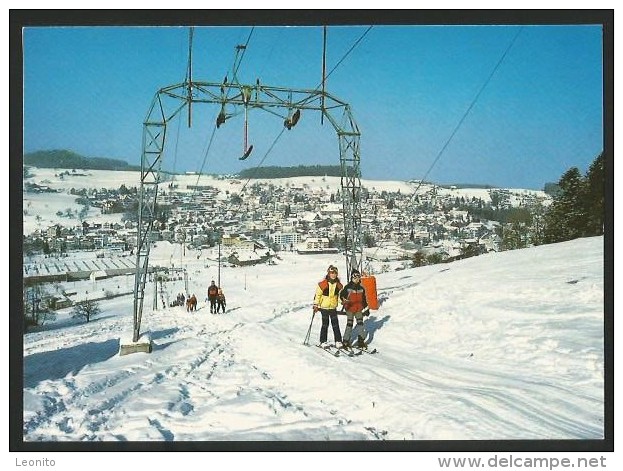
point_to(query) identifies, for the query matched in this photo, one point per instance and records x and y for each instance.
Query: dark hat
(332, 269)
(355, 273)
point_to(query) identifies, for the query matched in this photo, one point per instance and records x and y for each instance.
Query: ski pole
(306, 341)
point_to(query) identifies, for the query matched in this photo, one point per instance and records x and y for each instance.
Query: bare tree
(86, 310)
(36, 306)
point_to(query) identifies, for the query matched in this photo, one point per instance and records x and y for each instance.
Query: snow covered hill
(502, 346)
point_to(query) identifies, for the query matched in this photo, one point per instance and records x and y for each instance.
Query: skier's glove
(316, 308)
(366, 311)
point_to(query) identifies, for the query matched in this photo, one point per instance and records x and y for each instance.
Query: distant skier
(325, 301)
(212, 296)
(191, 304)
(353, 298)
(220, 301)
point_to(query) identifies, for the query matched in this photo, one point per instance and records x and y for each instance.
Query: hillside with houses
(416, 224)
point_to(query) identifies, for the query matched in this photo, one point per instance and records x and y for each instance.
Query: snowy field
(505, 346)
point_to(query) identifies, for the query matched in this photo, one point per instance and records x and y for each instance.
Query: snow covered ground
(504, 346)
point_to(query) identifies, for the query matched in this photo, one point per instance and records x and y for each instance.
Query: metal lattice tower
(171, 100)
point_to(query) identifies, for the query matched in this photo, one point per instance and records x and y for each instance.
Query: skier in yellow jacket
(325, 301)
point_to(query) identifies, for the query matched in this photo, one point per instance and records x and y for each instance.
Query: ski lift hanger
(245, 95)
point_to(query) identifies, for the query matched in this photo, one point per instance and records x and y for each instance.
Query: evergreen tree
(514, 236)
(434, 258)
(595, 180)
(369, 240)
(419, 260)
(564, 219)
(578, 209)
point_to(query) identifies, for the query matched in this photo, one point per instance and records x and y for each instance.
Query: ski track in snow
(453, 364)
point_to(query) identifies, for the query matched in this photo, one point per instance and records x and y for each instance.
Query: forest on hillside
(72, 160)
(287, 172)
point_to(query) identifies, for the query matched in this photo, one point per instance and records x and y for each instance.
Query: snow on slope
(502, 346)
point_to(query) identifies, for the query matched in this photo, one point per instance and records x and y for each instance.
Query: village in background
(81, 225)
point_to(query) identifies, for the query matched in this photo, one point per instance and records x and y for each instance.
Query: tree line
(578, 208)
(287, 172)
(69, 159)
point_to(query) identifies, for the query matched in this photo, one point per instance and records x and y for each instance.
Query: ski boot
(362, 344)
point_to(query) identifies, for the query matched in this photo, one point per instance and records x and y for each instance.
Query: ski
(330, 350)
(364, 350)
(333, 350)
(346, 351)
(350, 352)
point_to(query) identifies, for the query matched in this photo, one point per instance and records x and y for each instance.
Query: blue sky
(88, 89)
